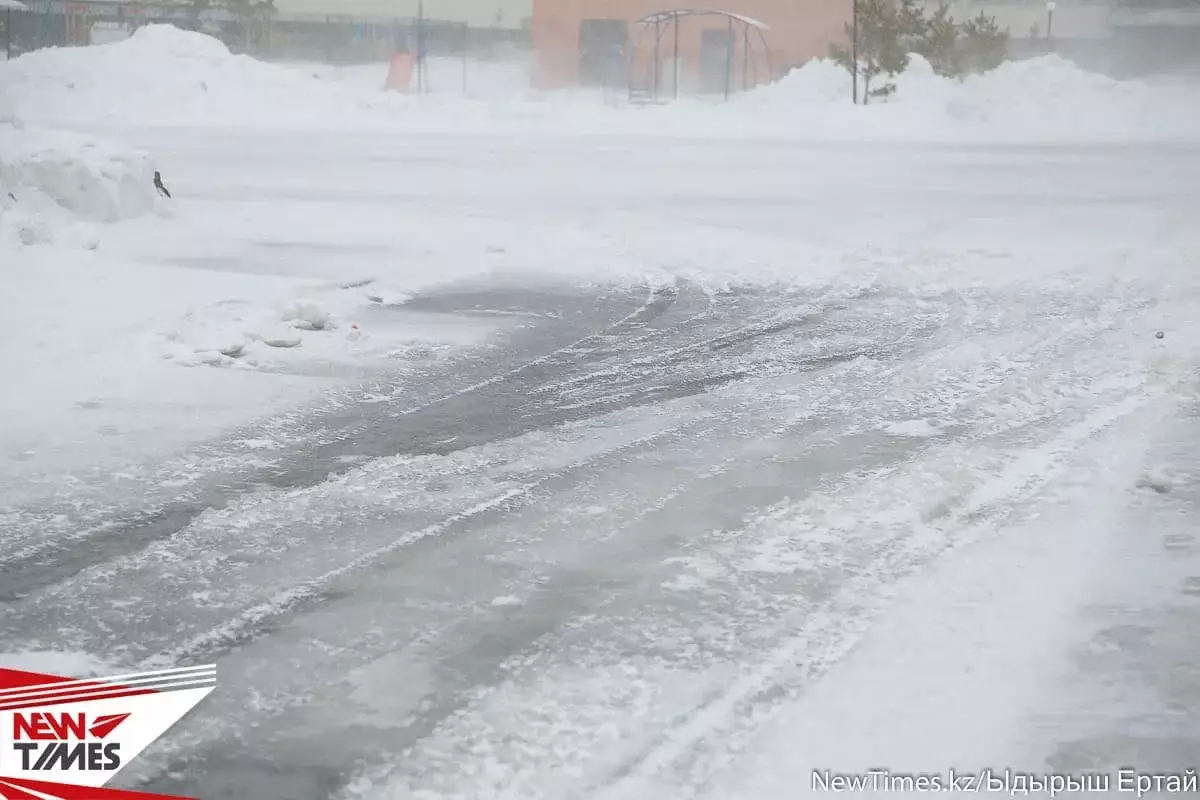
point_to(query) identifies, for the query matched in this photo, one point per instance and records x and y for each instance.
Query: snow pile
(301, 328)
(1050, 95)
(53, 184)
(163, 76)
(237, 333)
(1040, 98)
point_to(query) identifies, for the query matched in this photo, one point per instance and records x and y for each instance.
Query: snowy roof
(13, 5)
(663, 16)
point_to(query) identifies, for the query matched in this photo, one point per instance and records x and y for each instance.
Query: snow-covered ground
(205, 86)
(505, 75)
(890, 470)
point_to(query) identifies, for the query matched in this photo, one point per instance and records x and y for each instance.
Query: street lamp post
(1050, 6)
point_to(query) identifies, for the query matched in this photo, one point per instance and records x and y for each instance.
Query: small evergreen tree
(888, 30)
(984, 44)
(911, 21)
(940, 43)
(881, 48)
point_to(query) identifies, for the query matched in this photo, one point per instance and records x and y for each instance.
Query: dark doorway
(716, 60)
(602, 44)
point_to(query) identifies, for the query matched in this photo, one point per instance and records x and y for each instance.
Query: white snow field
(857, 447)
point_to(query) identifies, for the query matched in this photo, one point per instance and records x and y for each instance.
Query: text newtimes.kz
(1007, 781)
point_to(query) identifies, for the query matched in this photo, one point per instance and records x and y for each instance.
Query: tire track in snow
(801, 660)
(551, 652)
(189, 481)
(173, 555)
(569, 596)
(41, 563)
(707, 427)
(471, 661)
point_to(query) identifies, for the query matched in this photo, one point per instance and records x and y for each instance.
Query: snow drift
(50, 181)
(94, 180)
(1040, 98)
(166, 77)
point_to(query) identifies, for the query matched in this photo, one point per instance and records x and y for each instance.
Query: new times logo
(49, 741)
(65, 738)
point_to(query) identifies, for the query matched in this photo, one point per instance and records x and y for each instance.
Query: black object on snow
(158, 184)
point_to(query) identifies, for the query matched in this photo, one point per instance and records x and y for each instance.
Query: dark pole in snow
(854, 50)
(8, 34)
(745, 56)
(729, 60)
(657, 57)
(675, 58)
(420, 46)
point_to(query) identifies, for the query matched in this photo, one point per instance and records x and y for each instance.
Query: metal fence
(330, 38)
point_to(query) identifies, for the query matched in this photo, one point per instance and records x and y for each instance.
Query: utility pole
(854, 49)
(420, 46)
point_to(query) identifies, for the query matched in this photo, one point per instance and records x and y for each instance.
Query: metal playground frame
(661, 22)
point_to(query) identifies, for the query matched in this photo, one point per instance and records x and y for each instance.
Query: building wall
(510, 14)
(798, 31)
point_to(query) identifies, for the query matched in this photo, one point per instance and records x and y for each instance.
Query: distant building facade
(582, 42)
(500, 14)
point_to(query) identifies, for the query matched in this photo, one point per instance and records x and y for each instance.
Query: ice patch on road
(389, 691)
(917, 428)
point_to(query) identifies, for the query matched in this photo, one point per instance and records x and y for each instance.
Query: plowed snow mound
(1035, 99)
(50, 180)
(165, 76)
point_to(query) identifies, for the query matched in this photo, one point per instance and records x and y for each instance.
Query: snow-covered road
(806, 457)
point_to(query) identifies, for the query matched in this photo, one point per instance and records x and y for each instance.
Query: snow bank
(1041, 98)
(166, 77)
(52, 181)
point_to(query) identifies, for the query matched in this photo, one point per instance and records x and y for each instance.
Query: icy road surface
(676, 529)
